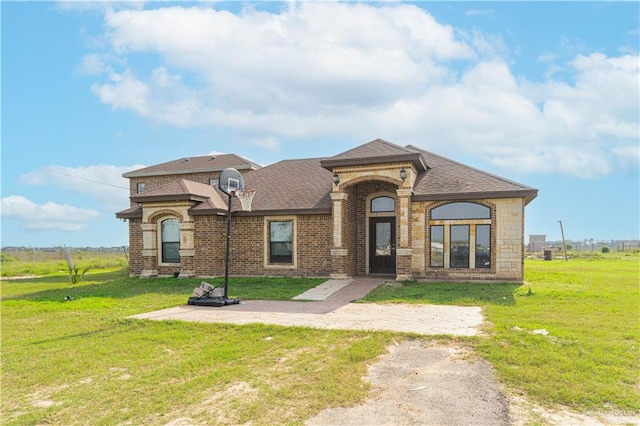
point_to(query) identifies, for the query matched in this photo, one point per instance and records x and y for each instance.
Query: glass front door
(382, 245)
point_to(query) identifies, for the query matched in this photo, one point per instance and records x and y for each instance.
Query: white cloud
(359, 71)
(50, 216)
(102, 182)
(479, 12)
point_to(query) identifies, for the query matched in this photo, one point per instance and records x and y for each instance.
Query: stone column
(187, 250)
(149, 250)
(338, 253)
(404, 251)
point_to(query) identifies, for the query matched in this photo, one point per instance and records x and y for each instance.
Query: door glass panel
(383, 239)
(437, 246)
(459, 250)
(483, 246)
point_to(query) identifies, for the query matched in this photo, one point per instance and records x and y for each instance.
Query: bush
(605, 249)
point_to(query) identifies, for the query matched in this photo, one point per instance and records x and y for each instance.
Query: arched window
(170, 231)
(461, 232)
(461, 211)
(383, 204)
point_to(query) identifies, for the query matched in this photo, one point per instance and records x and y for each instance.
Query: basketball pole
(226, 262)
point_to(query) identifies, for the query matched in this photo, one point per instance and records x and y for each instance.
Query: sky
(542, 93)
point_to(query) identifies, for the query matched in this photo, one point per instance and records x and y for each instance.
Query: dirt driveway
(426, 383)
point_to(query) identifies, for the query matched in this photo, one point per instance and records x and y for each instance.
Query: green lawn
(591, 310)
(82, 362)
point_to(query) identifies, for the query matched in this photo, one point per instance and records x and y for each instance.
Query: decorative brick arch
(164, 214)
(369, 178)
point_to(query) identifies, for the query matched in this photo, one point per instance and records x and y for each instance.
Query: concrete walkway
(336, 312)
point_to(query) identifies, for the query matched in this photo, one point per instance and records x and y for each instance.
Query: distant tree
(605, 249)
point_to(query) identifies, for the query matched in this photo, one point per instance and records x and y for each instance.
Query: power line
(73, 176)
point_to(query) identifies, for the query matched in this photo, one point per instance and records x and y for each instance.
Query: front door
(382, 245)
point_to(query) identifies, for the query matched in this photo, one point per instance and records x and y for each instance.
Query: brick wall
(247, 249)
(315, 239)
(135, 247)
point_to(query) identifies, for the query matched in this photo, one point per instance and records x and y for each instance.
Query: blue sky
(543, 93)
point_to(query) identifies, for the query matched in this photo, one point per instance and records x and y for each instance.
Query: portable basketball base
(232, 184)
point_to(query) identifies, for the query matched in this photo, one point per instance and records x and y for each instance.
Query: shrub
(605, 249)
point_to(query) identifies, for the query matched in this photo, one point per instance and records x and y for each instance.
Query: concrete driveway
(330, 308)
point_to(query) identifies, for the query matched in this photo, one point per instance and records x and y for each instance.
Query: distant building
(537, 242)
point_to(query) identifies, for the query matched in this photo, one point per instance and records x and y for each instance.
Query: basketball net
(245, 196)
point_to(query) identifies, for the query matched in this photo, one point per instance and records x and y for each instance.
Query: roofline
(528, 195)
(186, 171)
(206, 212)
(130, 215)
(415, 157)
(166, 197)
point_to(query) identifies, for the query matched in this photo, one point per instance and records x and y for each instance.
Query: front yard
(571, 336)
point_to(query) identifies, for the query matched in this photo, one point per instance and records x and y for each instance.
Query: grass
(39, 262)
(590, 309)
(83, 362)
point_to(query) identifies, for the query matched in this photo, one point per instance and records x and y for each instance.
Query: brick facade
(334, 243)
(314, 242)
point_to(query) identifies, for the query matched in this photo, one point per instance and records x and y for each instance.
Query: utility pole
(564, 243)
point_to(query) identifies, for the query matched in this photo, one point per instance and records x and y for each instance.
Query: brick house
(376, 209)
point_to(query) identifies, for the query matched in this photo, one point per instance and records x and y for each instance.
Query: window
(383, 204)
(170, 231)
(140, 188)
(214, 181)
(437, 246)
(483, 246)
(459, 246)
(460, 236)
(280, 242)
(461, 211)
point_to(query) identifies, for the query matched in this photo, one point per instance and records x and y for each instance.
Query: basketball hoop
(245, 196)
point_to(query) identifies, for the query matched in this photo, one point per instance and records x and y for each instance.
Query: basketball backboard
(230, 180)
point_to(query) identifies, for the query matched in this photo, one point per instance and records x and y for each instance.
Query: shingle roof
(207, 163)
(447, 179)
(182, 190)
(287, 187)
(377, 151)
(291, 185)
(130, 213)
(295, 186)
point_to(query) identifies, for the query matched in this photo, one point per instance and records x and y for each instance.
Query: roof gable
(377, 151)
(207, 163)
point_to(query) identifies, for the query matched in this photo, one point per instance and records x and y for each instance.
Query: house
(378, 208)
